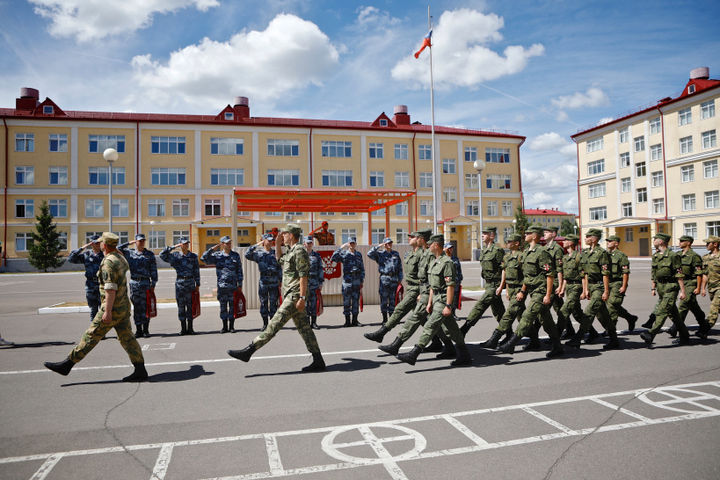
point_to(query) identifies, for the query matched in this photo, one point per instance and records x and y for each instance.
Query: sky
(541, 69)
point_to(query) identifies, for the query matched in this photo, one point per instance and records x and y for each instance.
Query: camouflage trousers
(614, 303)
(92, 295)
(436, 321)
(690, 304)
(557, 304)
(714, 305)
(268, 300)
(312, 298)
(183, 298)
(351, 298)
(225, 297)
(98, 329)
(515, 310)
(571, 306)
(418, 318)
(537, 310)
(489, 299)
(387, 296)
(138, 296)
(596, 308)
(287, 311)
(666, 307)
(405, 306)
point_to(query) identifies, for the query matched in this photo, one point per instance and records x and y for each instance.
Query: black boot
(556, 350)
(224, 327)
(703, 329)
(232, 325)
(139, 375)
(448, 350)
(146, 329)
(569, 331)
(592, 335)
(347, 321)
(243, 354)
(575, 340)
(385, 316)
(63, 368)
(683, 334)
(265, 323)
(392, 348)
(534, 344)
(317, 365)
(672, 331)
(632, 320)
(463, 356)
(435, 345)
(613, 344)
(508, 336)
(355, 322)
(411, 356)
(190, 330)
(648, 337)
(377, 335)
(313, 323)
(492, 342)
(183, 327)
(509, 346)
(138, 330)
(649, 323)
(466, 328)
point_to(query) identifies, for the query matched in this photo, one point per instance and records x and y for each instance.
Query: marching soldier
(449, 250)
(295, 267)
(114, 312)
(143, 277)
(571, 288)
(619, 275)
(353, 278)
(324, 236)
(491, 260)
(669, 284)
(557, 253)
(270, 275)
(91, 259)
(711, 281)
(391, 274)
(228, 268)
(187, 268)
(692, 266)
(316, 278)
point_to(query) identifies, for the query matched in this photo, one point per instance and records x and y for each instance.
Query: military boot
(355, 322)
(63, 368)
(508, 336)
(138, 375)
(313, 323)
(411, 356)
(672, 331)
(649, 323)
(265, 322)
(190, 330)
(146, 329)
(225, 325)
(509, 346)
(347, 321)
(632, 320)
(703, 329)
(556, 350)
(575, 340)
(448, 350)
(183, 327)
(613, 344)
(569, 331)
(317, 365)
(463, 356)
(534, 344)
(492, 342)
(138, 330)
(243, 354)
(647, 337)
(392, 348)
(435, 345)
(684, 335)
(592, 335)
(385, 316)
(377, 335)
(466, 327)
(232, 325)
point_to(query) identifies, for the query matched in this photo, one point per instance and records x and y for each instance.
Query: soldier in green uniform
(491, 260)
(538, 276)
(711, 280)
(557, 252)
(295, 264)
(619, 276)
(571, 288)
(669, 284)
(441, 278)
(692, 266)
(512, 281)
(114, 313)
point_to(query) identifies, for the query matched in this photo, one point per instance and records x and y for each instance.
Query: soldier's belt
(667, 281)
(180, 277)
(514, 285)
(574, 282)
(138, 278)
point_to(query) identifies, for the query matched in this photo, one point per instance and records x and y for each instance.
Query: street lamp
(152, 232)
(110, 155)
(479, 167)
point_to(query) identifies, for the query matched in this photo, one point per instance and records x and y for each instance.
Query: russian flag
(426, 43)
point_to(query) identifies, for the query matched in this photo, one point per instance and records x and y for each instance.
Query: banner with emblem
(150, 303)
(195, 302)
(319, 307)
(331, 269)
(239, 304)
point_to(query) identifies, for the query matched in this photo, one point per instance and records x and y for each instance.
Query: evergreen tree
(46, 241)
(521, 221)
(567, 227)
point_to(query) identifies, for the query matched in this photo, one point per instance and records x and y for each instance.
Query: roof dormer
(383, 121)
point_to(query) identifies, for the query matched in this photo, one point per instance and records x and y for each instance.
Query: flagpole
(436, 178)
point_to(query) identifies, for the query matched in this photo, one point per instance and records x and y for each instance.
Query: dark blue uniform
(458, 280)
(92, 261)
(188, 279)
(391, 274)
(143, 276)
(353, 278)
(316, 277)
(228, 268)
(270, 277)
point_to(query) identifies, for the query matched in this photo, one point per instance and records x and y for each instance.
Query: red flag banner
(426, 43)
(361, 302)
(319, 307)
(459, 307)
(195, 300)
(150, 303)
(399, 293)
(239, 304)
(331, 269)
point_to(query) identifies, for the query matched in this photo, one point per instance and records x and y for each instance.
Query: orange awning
(317, 200)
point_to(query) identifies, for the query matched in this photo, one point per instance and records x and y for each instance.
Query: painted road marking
(693, 400)
(158, 346)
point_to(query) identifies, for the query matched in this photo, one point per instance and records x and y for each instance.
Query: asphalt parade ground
(630, 413)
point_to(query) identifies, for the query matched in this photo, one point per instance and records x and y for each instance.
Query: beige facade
(655, 170)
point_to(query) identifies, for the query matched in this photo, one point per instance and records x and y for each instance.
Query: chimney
(700, 73)
(400, 115)
(242, 107)
(29, 99)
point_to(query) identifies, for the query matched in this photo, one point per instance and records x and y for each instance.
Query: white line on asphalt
(462, 428)
(46, 467)
(548, 420)
(162, 462)
(623, 410)
(387, 459)
(276, 466)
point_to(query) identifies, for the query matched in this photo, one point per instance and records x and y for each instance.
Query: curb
(85, 309)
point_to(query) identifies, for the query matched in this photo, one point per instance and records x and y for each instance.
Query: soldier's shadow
(192, 373)
(350, 365)
(481, 357)
(570, 353)
(37, 345)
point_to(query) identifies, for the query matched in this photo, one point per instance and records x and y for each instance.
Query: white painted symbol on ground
(681, 400)
(158, 346)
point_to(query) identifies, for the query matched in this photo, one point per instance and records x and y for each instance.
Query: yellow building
(175, 173)
(655, 170)
(548, 217)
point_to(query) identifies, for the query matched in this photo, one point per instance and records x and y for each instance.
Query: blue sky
(540, 69)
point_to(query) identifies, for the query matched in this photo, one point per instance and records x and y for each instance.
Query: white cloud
(562, 178)
(461, 56)
(94, 19)
(289, 54)
(605, 120)
(552, 141)
(593, 97)
(372, 17)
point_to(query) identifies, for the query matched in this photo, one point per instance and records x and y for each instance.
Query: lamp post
(110, 155)
(479, 167)
(152, 233)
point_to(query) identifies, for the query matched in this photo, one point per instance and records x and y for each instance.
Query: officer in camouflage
(143, 276)
(353, 279)
(324, 236)
(228, 269)
(91, 259)
(449, 249)
(391, 274)
(571, 288)
(270, 275)
(711, 280)
(187, 280)
(114, 312)
(692, 266)
(619, 276)
(316, 278)
(295, 265)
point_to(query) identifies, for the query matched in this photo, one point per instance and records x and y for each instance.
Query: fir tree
(521, 222)
(46, 241)
(567, 227)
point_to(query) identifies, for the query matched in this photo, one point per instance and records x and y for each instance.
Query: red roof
(545, 211)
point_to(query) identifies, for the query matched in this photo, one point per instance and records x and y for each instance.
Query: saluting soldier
(571, 289)
(187, 268)
(324, 236)
(295, 265)
(391, 274)
(91, 259)
(491, 261)
(449, 249)
(353, 279)
(619, 276)
(692, 266)
(143, 277)
(711, 281)
(270, 275)
(228, 268)
(669, 284)
(441, 278)
(316, 278)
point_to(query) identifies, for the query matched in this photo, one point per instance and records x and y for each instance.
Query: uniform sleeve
(196, 271)
(76, 256)
(449, 273)
(111, 277)
(361, 266)
(546, 263)
(705, 264)
(625, 264)
(677, 266)
(208, 257)
(239, 272)
(337, 255)
(302, 263)
(458, 272)
(698, 268)
(373, 254)
(165, 255)
(399, 267)
(153, 269)
(653, 269)
(604, 264)
(499, 256)
(123, 248)
(250, 254)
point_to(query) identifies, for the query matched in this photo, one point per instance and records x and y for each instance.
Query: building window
(378, 235)
(507, 231)
(283, 178)
(401, 235)
(244, 232)
(624, 160)
(120, 207)
(712, 199)
(178, 234)
(376, 150)
(656, 179)
(449, 195)
(687, 173)
(471, 154)
(598, 213)
(640, 169)
(62, 240)
(168, 145)
(710, 169)
(58, 176)
(492, 208)
(347, 214)
(596, 190)
(167, 176)
(448, 165)
(471, 181)
(337, 178)
(99, 143)
(472, 208)
(712, 228)
(283, 148)
(48, 110)
(401, 151)
(213, 207)
(426, 208)
(94, 208)
(686, 145)
(23, 242)
(24, 208)
(690, 229)
(707, 109)
(426, 180)
(229, 116)
(639, 143)
(181, 207)
(425, 152)
(641, 195)
(58, 142)
(337, 149)
(402, 179)
(99, 175)
(346, 233)
(655, 152)
(497, 155)
(383, 122)
(58, 207)
(685, 116)
(688, 202)
(267, 214)
(226, 146)
(596, 167)
(594, 145)
(655, 125)
(377, 179)
(156, 207)
(624, 135)
(625, 185)
(24, 175)
(500, 182)
(627, 209)
(658, 206)
(156, 240)
(628, 234)
(227, 176)
(709, 140)
(644, 229)
(401, 209)
(507, 210)
(24, 142)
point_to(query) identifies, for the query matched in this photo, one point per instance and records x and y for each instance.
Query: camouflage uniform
(92, 261)
(491, 261)
(353, 278)
(692, 267)
(324, 238)
(595, 265)
(143, 276)
(557, 253)
(411, 265)
(537, 265)
(619, 266)
(228, 268)
(187, 280)
(420, 314)
(572, 276)
(666, 269)
(391, 274)
(711, 277)
(316, 278)
(269, 279)
(512, 264)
